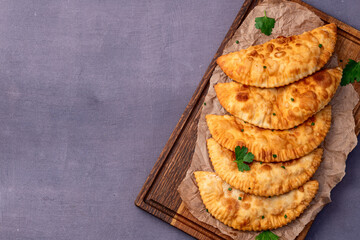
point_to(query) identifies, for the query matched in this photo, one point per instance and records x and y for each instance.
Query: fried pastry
(271, 145)
(281, 61)
(263, 179)
(248, 212)
(292, 104)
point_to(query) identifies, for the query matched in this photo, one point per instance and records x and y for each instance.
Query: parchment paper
(291, 18)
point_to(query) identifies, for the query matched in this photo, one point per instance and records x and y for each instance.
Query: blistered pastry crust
(252, 213)
(292, 104)
(281, 61)
(263, 179)
(271, 145)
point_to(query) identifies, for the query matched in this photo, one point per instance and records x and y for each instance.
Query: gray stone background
(90, 91)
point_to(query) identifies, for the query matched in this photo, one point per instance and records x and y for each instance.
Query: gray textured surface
(90, 92)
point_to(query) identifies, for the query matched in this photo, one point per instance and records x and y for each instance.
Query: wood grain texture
(159, 195)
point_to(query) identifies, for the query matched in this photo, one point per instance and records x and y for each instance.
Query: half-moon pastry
(281, 61)
(271, 145)
(263, 179)
(248, 212)
(292, 104)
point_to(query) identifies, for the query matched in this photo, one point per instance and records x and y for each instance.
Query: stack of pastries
(279, 105)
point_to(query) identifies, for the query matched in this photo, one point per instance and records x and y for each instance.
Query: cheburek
(271, 145)
(280, 108)
(281, 61)
(263, 179)
(248, 212)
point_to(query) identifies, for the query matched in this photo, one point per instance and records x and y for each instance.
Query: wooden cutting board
(159, 194)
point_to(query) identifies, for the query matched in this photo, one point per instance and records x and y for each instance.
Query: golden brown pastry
(282, 60)
(263, 179)
(292, 104)
(271, 145)
(248, 212)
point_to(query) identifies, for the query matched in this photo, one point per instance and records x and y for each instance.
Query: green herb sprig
(265, 24)
(351, 73)
(243, 157)
(267, 235)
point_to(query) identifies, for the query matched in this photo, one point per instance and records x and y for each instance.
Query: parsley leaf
(267, 235)
(265, 24)
(351, 73)
(243, 156)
